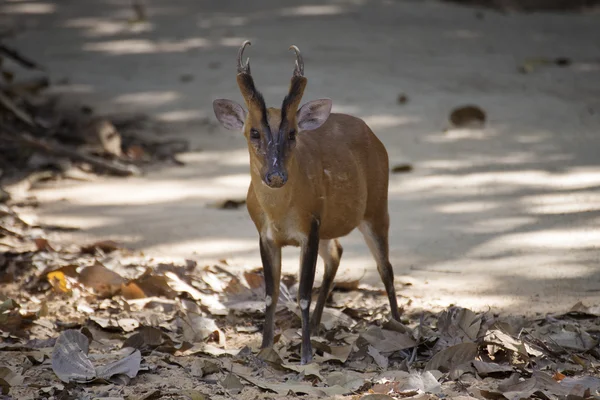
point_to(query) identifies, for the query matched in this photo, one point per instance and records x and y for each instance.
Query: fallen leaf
(147, 338)
(514, 389)
(572, 340)
(103, 280)
(42, 244)
(311, 369)
(402, 98)
(580, 385)
(295, 387)
(105, 246)
(398, 168)
(338, 353)
(129, 366)
(580, 309)
(69, 358)
(348, 379)
(232, 383)
(128, 324)
(197, 328)
(9, 378)
(386, 341)
(380, 360)
(468, 116)
(488, 368)
(452, 357)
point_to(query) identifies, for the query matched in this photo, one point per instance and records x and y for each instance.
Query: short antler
(241, 67)
(297, 85)
(299, 70)
(253, 98)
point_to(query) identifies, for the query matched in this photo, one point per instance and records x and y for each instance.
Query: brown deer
(315, 176)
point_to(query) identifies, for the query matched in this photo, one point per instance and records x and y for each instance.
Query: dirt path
(507, 216)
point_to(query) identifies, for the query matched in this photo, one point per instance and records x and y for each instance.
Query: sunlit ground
(507, 216)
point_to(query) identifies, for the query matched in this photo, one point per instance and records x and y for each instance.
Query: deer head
(271, 133)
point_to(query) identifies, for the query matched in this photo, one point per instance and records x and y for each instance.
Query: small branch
(14, 54)
(64, 151)
(11, 106)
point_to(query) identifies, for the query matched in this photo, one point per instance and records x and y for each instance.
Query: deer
(315, 176)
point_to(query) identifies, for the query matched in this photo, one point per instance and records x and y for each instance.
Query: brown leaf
(405, 167)
(467, 116)
(452, 357)
(42, 244)
(105, 246)
(231, 204)
(104, 281)
(148, 285)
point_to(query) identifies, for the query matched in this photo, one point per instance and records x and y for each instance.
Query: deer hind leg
(376, 236)
(331, 253)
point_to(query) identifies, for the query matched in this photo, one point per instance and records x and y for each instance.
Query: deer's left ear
(314, 114)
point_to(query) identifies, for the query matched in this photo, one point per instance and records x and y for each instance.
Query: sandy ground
(507, 216)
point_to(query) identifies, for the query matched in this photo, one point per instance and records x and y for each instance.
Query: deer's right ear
(229, 113)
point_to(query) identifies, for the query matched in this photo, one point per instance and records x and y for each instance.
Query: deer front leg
(270, 254)
(310, 251)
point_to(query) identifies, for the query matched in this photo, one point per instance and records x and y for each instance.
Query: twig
(11, 106)
(419, 334)
(64, 151)
(14, 54)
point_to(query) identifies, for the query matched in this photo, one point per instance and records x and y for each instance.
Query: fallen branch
(64, 151)
(14, 54)
(12, 107)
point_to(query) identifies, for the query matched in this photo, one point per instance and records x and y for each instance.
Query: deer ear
(314, 114)
(229, 113)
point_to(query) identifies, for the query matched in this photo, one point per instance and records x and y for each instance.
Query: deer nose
(276, 179)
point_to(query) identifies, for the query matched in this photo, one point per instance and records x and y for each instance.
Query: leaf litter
(100, 320)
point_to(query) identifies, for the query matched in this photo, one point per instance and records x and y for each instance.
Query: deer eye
(254, 134)
(292, 135)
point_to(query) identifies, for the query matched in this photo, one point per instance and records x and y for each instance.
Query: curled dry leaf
(350, 380)
(399, 168)
(69, 358)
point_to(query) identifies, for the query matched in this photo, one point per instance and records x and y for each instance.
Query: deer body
(315, 177)
(329, 179)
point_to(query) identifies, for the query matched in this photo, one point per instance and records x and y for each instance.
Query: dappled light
(496, 209)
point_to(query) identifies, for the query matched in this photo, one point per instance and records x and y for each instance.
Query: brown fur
(338, 173)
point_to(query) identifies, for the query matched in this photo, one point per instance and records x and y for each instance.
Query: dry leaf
(69, 358)
(452, 357)
(105, 246)
(468, 116)
(489, 368)
(295, 387)
(129, 366)
(387, 341)
(104, 281)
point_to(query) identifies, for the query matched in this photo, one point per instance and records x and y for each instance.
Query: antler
(299, 69)
(243, 68)
(297, 85)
